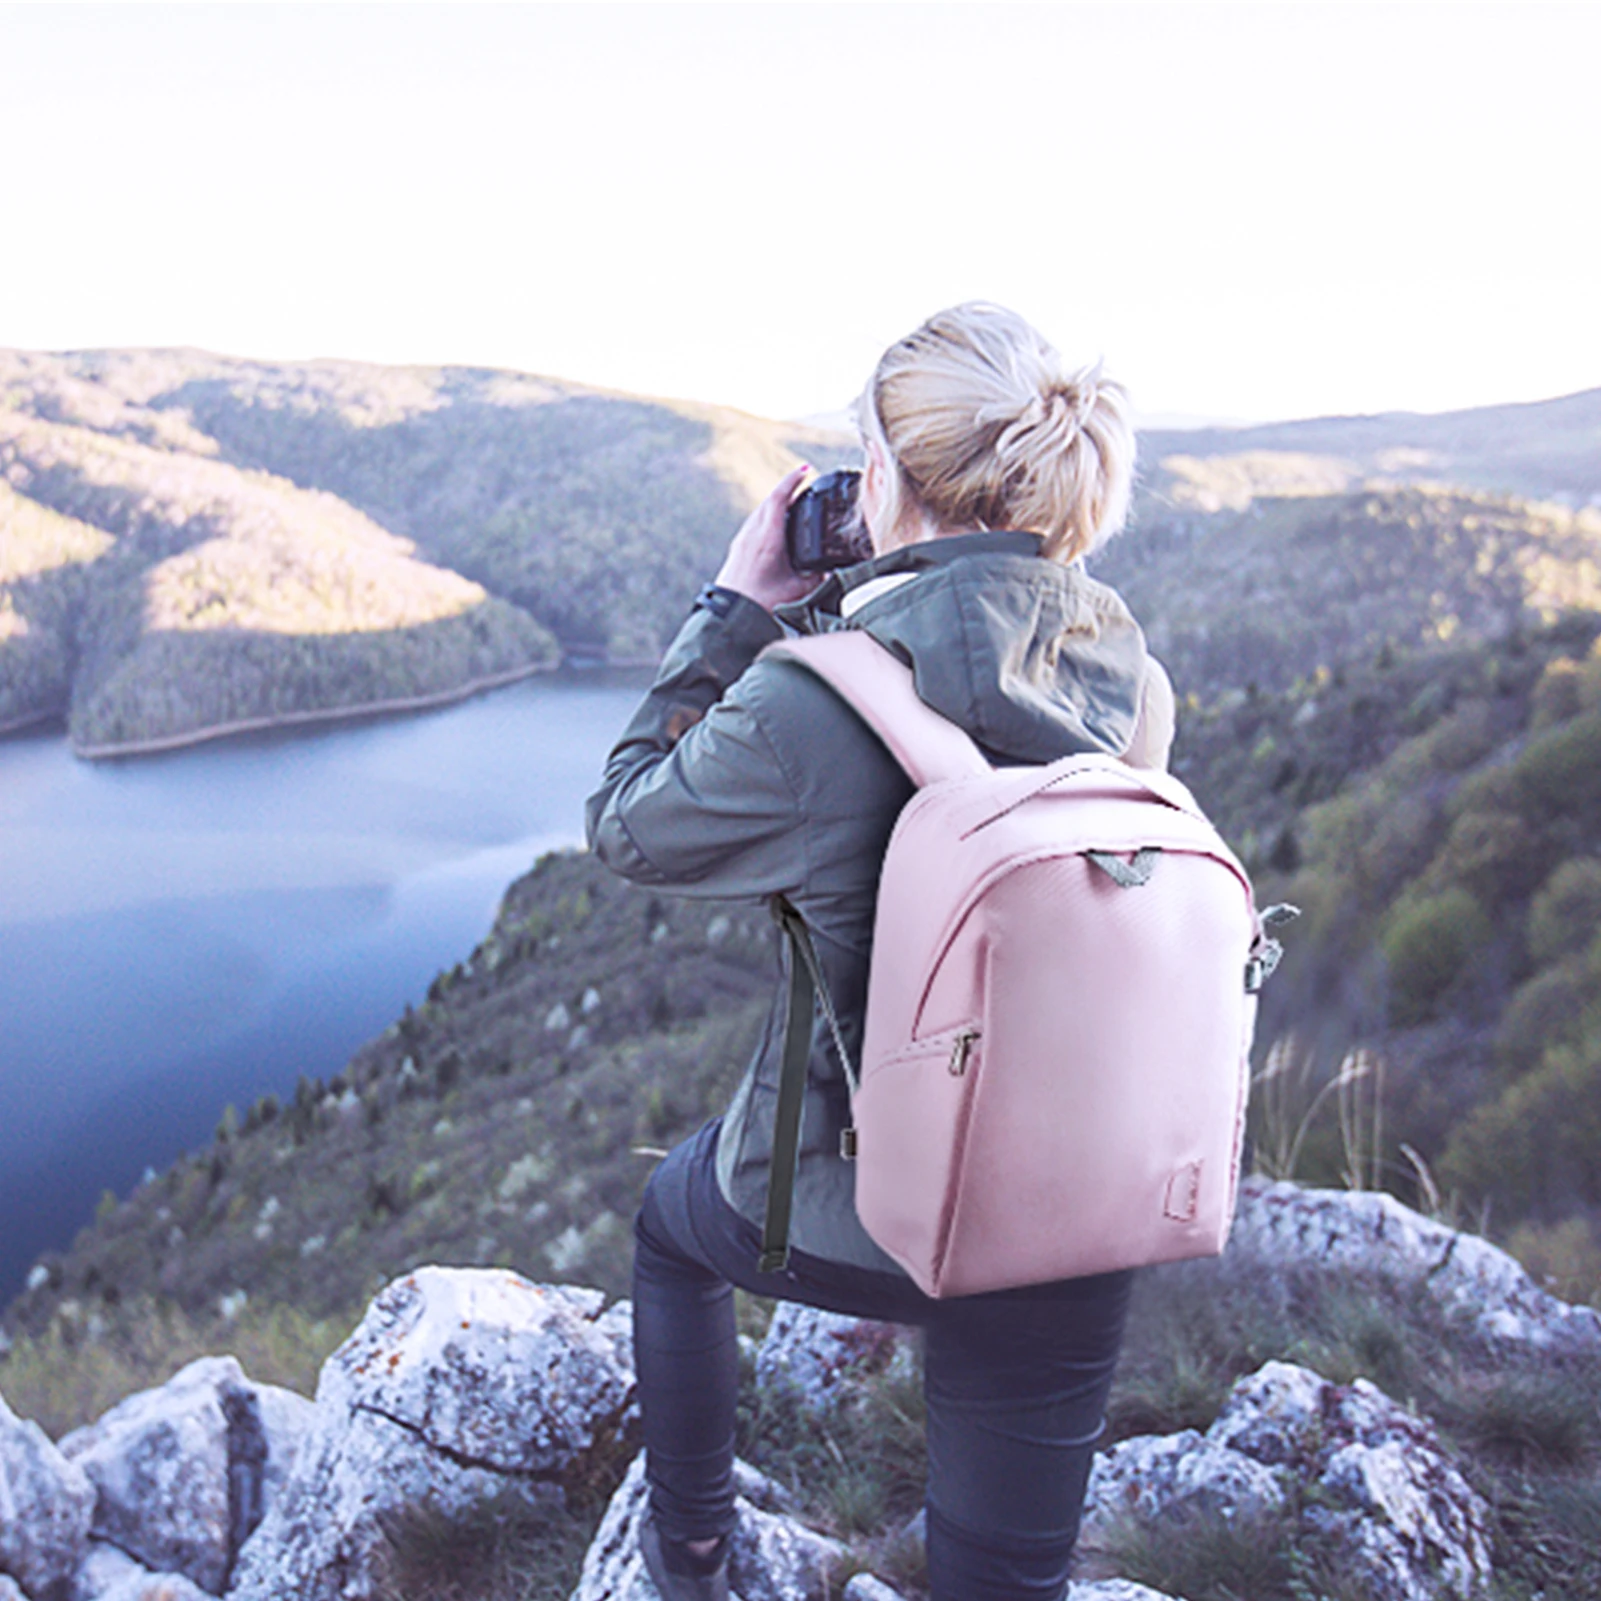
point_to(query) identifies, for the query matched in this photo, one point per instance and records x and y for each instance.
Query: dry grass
(84, 1363)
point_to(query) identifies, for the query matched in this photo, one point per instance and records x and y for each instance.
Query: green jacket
(740, 779)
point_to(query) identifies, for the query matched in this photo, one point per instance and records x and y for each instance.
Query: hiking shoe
(678, 1573)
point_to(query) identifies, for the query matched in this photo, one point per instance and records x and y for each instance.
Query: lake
(183, 931)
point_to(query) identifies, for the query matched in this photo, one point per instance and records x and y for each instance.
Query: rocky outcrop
(463, 1385)
(183, 1474)
(1478, 1287)
(864, 1587)
(459, 1384)
(1116, 1590)
(1364, 1476)
(46, 1508)
(108, 1574)
(822, 1353)
(771, 1557)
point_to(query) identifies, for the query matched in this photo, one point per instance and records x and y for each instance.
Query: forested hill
(1548, 449)
(189, 543)
(192, 543)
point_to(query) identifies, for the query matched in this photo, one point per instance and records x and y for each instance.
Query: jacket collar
(818, 612)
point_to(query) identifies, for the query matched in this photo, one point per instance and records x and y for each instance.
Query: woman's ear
(871, 494)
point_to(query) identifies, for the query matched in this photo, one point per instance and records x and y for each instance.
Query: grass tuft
(507, 1548)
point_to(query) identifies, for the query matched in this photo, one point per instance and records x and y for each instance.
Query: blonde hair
(984, 426)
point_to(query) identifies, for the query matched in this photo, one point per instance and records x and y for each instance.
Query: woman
(990, 470)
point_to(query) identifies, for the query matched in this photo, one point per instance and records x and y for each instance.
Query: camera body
(822, 530)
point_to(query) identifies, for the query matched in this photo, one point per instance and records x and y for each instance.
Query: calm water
(182, 931)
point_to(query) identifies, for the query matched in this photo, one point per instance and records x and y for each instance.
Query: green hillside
(194, 544)
(1548, 449)
(1293, 584)
(239, 542)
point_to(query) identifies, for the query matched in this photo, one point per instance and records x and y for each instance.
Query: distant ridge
(192, 544)
(1542, 449)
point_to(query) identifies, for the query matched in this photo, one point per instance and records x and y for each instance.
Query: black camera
(822, 530)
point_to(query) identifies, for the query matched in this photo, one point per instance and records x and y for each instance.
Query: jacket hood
(1036, 660)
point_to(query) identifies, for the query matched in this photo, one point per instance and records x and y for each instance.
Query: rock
(864, 1587)
(185, 1472)
(459, 1384)
(46, 1507)
(108, 1574)
(1153, 1475)
(771, 1558)
(1365, 1478)
(1116, 1590)
(10, 1590)
(759, 1490)
(774, 1558)
(819, 1352)
(1373, 1234)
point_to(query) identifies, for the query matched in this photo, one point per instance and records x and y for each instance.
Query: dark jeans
(1016, 1383)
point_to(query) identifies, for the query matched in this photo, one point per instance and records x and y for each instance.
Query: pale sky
(1249, 211)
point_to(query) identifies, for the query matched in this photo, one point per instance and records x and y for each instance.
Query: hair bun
(1076, 392)
(987, 427)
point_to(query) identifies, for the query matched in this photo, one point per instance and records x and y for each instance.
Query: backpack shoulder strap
(1153, 732)
(881, 691)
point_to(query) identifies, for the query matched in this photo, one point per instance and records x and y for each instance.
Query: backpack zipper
(961, 1050)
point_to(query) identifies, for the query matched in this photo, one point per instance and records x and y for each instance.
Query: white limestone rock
(821, 1352)
(1152, 1475)
(10, 1590)
(1363, 1474)
(108, 1574)
(1367, 1232)
(771, 1556)
(864, 1587)
(183, 1473)
(46, 1507)
(1116, 1590)
(459, 1384)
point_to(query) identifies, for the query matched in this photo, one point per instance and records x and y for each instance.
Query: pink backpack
(1059, 1010)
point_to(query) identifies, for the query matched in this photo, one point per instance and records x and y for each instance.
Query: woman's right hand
(757, 563)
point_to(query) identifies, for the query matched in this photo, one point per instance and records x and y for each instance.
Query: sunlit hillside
(192, 544)
(1547, 450)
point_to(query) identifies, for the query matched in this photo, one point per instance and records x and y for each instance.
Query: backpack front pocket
(911, 1117)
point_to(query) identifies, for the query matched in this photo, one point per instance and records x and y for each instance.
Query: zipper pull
(962, 1049)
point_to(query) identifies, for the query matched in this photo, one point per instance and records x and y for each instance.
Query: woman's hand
(757, 564)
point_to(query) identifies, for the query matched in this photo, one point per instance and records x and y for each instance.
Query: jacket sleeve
(694, 797)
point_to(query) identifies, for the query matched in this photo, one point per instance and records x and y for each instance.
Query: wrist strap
(716, 599)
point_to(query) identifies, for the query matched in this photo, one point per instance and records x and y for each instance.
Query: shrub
(1537, 1147)
(1565, 915)
(1427, 943)
(1565, 1257)
(1548, 1010)
(1495, 856)
(1556, 697)
(1559, 773)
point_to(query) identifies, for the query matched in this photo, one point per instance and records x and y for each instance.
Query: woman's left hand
(757, 563)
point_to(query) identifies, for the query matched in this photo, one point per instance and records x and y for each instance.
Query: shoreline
(21, 725)
(327, 714)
